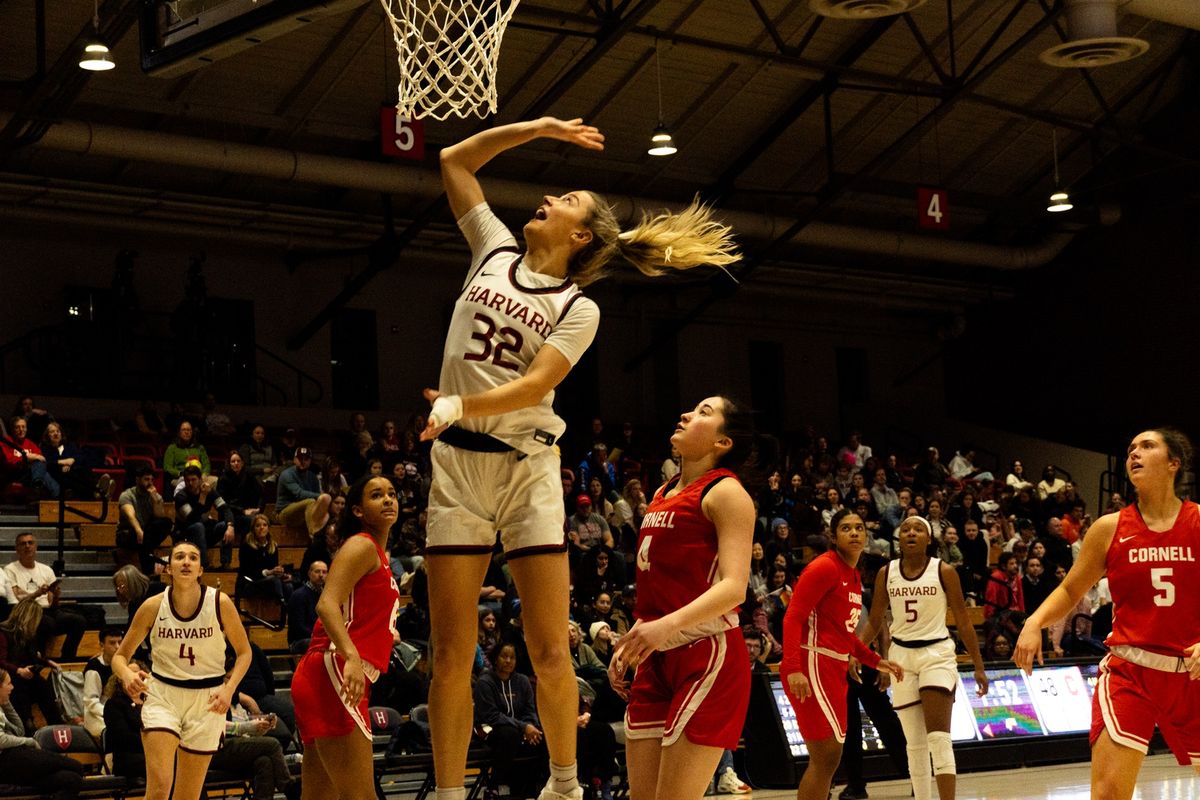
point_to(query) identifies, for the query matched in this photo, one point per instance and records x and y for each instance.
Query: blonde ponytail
(666, 241)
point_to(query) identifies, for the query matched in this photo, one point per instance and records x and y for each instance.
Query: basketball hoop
(448, 51)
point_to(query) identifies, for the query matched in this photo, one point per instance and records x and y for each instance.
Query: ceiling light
(96, 56)
(661, 143)
(1059, 199)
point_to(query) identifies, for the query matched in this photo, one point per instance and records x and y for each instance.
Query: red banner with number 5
(399, 136)
(933, 208)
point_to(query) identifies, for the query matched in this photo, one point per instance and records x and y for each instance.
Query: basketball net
(448, 51)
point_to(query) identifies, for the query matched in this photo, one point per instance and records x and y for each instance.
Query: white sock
(451, 794)
(563, 779)
(912, 720)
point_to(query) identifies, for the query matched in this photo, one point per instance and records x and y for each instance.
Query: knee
(550, 659)
(941, 752)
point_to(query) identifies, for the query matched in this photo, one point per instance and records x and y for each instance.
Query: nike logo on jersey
(162, 619)
(1124, 539)
(845, 583)
(486, 274)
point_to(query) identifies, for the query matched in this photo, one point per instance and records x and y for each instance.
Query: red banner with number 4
(933, 209)
(399, 136)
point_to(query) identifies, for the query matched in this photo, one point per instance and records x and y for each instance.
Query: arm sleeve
(814, 583)
(484, 232)
(574, 333)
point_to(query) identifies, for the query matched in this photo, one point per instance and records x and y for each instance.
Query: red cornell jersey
(1153, 578)
(370, 614)
(823, 614)
(677, 557)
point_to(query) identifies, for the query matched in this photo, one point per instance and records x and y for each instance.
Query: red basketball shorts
(702, 687)
(1130, 699)
(823, 713)
(321, 713)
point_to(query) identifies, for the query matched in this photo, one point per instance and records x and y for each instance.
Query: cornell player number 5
(1158, 579)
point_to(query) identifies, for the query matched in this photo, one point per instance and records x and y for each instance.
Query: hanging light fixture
(96, 56)
(661, 143)
(1059, 199)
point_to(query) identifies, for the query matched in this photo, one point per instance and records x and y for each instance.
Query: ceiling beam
(723, 186)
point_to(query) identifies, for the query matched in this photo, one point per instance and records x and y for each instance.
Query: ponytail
(666, 241)
(752, 455)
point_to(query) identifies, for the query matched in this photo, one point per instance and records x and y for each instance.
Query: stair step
(10, 520)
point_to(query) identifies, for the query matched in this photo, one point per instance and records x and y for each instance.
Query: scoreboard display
(1053, 701)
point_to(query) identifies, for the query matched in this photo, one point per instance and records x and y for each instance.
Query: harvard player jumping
(520, 323)
(689, 694)
(818, 641)
(1149, 551)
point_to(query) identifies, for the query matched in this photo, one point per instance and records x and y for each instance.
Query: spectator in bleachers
(349, 439)
(241, 492)
(177, 415)
(770, 501)
(247, 751)
(756, 589)
(602, 640)
(302, 607)
(597, 465)
(965, 508)
(997, 646)
(146, 419)
(333, 481)
(857, 482)
(259, 455)
(854, 453)
(602, 610)
(833, 504)
(1074, 521)
(843, 478)
(891, 518)
(598, 571)
(96, 673)
(185, 448)
(586, 663)
(962, 466)
(506, 715)
(1016, 477)
(596, 746)
(256, 693)
(975, 553)
(22, 658)
(1036, 585)
(23, 762)
(123, 729)
(28, 577)
(374, 467)
(489, 632)
(1058, 549)
(69, 466)
(587, 529)
(930, 473)
(216, 421)
(287, 447)
(300, 502)
(1050, 483)
(948, 549)
(22, 454)
(132, 588)
(259, 572)
(670, 466)
(193, 524)
(36, 419)
(356, 459)
(885, 496)
(1004, 589)
(387, 443)
(325, 546)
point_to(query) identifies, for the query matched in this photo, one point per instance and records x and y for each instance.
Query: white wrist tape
(447, 410)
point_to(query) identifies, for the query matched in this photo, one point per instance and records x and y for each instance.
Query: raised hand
(574, 131)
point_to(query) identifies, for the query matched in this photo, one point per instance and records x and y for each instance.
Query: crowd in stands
(1011, 540)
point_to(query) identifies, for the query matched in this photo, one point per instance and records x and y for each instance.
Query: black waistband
(476, 442)
(918, 642)
(196, 683)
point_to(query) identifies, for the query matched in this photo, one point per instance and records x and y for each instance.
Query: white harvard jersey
(193, 648)
(918, 604)
(504, 315)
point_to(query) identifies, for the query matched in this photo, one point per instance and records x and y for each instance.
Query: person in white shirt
(28, 577)
(855, 452)
(963, 464)
(519, 325)
(95, 676)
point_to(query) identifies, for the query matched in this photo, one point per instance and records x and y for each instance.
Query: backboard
(178, 36)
